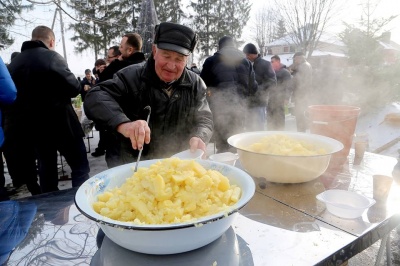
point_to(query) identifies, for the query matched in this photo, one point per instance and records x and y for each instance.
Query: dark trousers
(113, 149)
(276, 113)
(301, 121)
(74, 152)
(226, 125)
(102, 145)
(19, 152)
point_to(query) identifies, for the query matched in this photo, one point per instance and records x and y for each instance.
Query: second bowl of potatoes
(284, 157)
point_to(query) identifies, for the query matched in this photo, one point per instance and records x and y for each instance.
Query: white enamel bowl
(282, 168)
(345, 204)
(162, 239)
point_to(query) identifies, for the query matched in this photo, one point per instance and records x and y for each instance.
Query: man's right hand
(137, 131)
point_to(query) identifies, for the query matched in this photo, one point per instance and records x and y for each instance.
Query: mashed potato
(169, 191)
(284, 145)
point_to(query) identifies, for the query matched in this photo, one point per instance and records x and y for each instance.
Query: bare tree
(265, 22)
(369, 23)
(306, 20)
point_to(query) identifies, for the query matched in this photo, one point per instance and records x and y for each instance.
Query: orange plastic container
(337, 122)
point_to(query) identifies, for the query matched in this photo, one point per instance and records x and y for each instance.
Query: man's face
(125, 49)
(110, 56)
(276, 64)
(88, 75)
(251, 57)
(169, 65)
(298, 59)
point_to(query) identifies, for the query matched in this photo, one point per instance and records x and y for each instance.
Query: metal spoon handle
(141, 150)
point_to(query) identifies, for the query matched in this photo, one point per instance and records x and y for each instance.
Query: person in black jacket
(279, 95)
(87, 83)
(230, 79)
(129, 54)
(266, 80)
(42, 120)
(130, 48)
(180, 116)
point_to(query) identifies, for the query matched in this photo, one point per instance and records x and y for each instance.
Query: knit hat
(175, 37)
(250, 49)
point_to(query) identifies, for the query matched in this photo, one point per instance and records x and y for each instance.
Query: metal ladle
(141, 150)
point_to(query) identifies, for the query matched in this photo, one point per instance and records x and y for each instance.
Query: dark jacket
(229, 75)
(302, 81)
(8, 92)
(117, 65)
(174, 120)
(45, 87)
(266, 80)
(285, 87)
(84, 82)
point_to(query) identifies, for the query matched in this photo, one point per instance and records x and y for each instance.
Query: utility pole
(61, 25)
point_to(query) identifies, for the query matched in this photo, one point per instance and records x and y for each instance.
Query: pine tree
(280, 30)
(102, 22)
(9, 13)
(169, 10)
(217, 18)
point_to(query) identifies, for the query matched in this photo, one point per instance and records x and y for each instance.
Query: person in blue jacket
(8, 93)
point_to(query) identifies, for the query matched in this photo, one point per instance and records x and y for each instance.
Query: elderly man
(180, 116)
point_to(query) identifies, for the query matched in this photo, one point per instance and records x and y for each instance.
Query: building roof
(325, 37)
(389, 46)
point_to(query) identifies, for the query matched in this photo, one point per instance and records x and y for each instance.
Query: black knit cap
(175, 37)
(250, 49)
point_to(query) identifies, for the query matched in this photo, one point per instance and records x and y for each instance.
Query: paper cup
(381, 187)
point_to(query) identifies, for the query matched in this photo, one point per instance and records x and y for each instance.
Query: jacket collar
(32, 44)
(136, 57)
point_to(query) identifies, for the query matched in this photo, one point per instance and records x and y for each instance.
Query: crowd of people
(235, 91)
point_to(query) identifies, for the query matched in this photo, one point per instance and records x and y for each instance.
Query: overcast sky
(43, 15)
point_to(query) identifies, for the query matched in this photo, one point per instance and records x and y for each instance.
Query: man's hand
(196, 143)
(138, 132)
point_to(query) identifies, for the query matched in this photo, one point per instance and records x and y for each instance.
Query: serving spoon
(141, 150)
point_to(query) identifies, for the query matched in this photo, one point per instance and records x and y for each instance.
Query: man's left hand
(196, 143)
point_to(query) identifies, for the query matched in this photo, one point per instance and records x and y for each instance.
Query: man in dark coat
(266, 80)
(129, 54)
(180, 116)
(279, 95)
(87, 83)
(42, 120)
(230, 80)
(130, 48)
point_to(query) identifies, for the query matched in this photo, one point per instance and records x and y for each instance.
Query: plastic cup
(359, 149)
(381, 187)
(225, 157)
